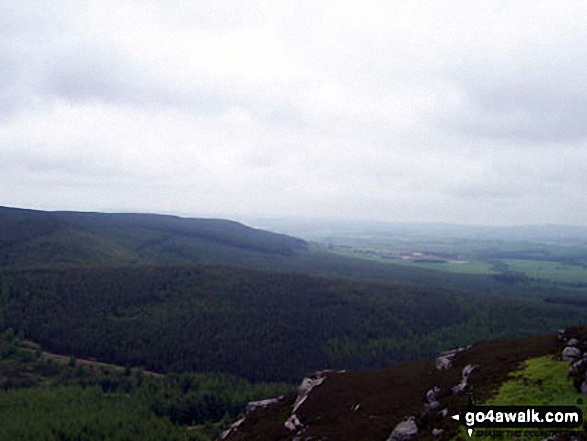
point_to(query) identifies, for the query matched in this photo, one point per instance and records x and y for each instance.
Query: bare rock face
(444, 360)
(571, 353)
(404, 431)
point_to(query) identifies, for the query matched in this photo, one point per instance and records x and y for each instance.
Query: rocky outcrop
(437, 432)
(254, 405)
(293, 424)
(404, 431)
(445, 360)
(575, 352)
(464, 383)
(577, 368)
(251, 407)
(432, 401)
(573, 342)
(571, 353)
(432, 394)
(233, 428)
(308, 383)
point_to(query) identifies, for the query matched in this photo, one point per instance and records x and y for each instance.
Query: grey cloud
(35, 162)
(94, 74)
(521, 112)
(11, 97)
(531, 92)
(484, 190)
(341, 113)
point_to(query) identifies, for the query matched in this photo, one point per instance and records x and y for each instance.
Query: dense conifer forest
(258, 325)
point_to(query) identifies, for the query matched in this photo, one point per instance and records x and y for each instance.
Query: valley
(175, 299)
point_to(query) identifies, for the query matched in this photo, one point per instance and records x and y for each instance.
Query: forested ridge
(258, 325)
(39, 238)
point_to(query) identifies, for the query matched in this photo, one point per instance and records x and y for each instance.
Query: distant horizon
(245, 218)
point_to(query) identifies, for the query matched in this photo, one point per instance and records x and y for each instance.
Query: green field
(557, 271)
(460, 268)
(536, 269)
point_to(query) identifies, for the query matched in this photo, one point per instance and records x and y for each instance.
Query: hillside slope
(367, 406)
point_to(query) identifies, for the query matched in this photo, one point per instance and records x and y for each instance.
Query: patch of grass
(539, 382)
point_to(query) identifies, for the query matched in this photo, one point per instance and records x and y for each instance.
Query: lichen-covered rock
(404, 431)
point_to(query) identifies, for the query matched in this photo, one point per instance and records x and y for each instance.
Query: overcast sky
(463, 112)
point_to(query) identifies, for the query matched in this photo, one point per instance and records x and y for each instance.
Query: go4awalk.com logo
(520, 417)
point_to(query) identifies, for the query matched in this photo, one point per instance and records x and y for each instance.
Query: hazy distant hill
(321, 229)
(30, 238)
